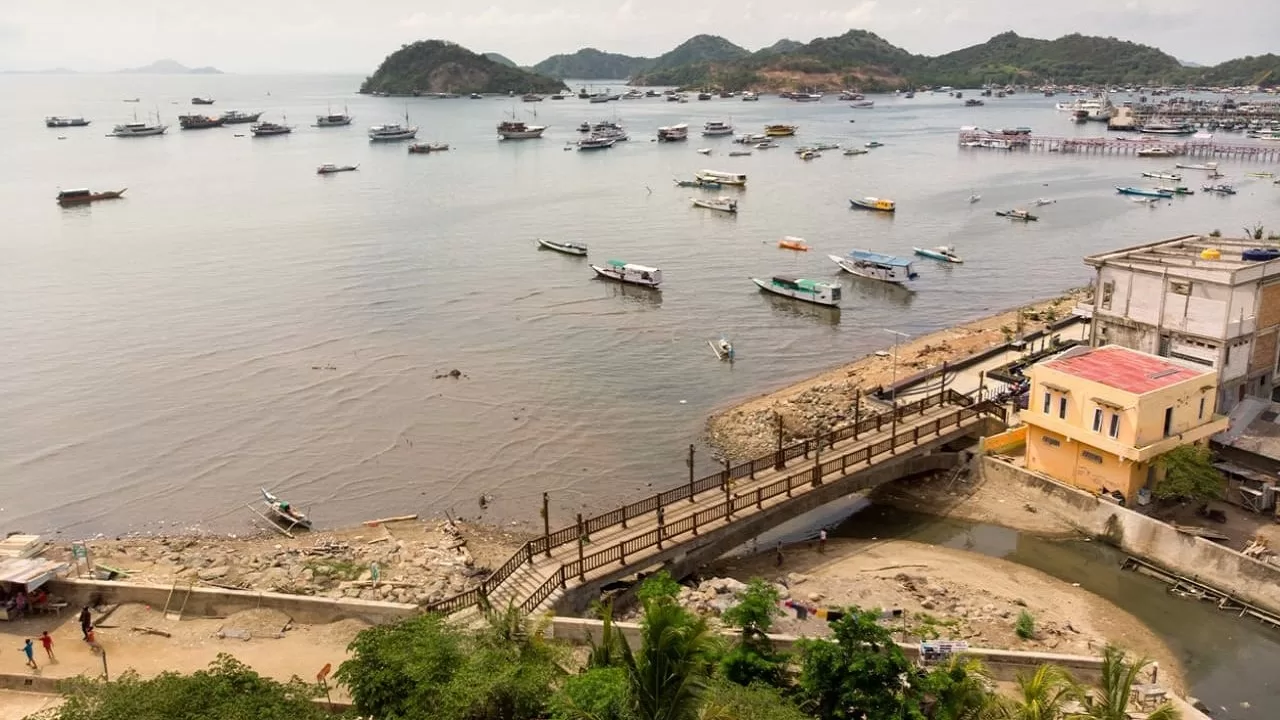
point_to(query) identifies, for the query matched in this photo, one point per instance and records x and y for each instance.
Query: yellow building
(1097, 418)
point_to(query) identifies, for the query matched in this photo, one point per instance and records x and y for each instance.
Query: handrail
(619, 516)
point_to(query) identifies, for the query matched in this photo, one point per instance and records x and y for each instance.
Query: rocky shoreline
(750, 429)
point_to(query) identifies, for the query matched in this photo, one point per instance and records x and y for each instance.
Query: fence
(773, 461)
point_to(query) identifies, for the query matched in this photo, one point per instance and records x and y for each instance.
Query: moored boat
(1220, 189)
(875, 144)
(58, 121)
(779, 130)
(595, 142)
(516, 130)
(80, 196)
(1211, 167)
(267, 129)
(568, 248)
(673, 133)
(334, 119)
(1156, 151)
(863, 104)
(722, 204)
(715, 128)
(1017, 214)
(874, 203)
(749, 96)
(138, 129)
(198, 122)
(945, 253)
(814, 291)
(722, 348)
(876, 266)
(235, 117)
(284, 514)
(855, 151)
(1176, 189)
(704, 184)
(793, 243)
(723, 178)
(1143, 192)
(201, 101)
(392, 132)
(629, 273)
(427, 147)
(330, 168)
(1162, 175)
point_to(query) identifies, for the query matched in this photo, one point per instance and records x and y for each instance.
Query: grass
(1025, 627)
(335, 569)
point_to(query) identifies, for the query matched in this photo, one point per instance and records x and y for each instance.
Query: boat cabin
(724, 178)
(883, 267)
(641, 274)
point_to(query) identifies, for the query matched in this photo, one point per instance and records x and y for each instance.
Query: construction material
(150, 631)
(397, 518)
(1205, 533)
(1194, 589)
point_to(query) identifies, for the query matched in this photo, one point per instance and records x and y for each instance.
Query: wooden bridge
(705, 517)
(1099, 145)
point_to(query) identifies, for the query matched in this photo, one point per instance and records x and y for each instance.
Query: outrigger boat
(330, 168)
(793, 243)
(628, 273)
(423, 148)
(873, 203)
(945, 253)
(814, 291)
(855, 151)
(722, 348)
(1143, 192)
(723, 204)
(1176, 190)
(704, 184)
(1220, 188)
(1212, 167)
(1162, 175)
(567, 248)
(876, 266)
(81, 196)
(1022, 215)
(283, 514)
(875, 144)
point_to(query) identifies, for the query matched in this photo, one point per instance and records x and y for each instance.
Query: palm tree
(1111, 698)
(1042, 695)
(609, 652)
(960, 689)
(668, 675)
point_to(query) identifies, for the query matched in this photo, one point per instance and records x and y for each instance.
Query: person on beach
(30, 651)
(777, 560)
(85, 621)
(93, 641)
(47, 641)
(822, 541)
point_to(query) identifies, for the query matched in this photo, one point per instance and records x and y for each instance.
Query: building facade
(1098, 418)
(1195, 299)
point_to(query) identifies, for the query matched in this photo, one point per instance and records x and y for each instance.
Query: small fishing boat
(767, 144)
(628, 273)
(1175, 190)
(1041, 202)
(81, 196)
(724, 178)
(945, 253)
(235, 117)
(722, 204)
(704, 151)
(704, 184)
(1156, 151)
(284, 514)
(330, 168)
(780, 130)
(1143, 192)
(1261, 174)
(873, 203)
(739, 153)
(593, 142)
(568, 248)
(1022, 215)
(863, 104)
(810, 155)
(201, 101)
(1212, 167)
(267, 129)
(749, 96)
(722, 348)
(855, 151)
(793, 243)
(876, 266)
(875, 144)
(1162, 176)
(974, 198)
(1220, 188)
(814, 291)
(423, 148)
(715, 128)
(56, 121)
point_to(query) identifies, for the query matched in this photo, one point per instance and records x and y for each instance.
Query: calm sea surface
(238, 321)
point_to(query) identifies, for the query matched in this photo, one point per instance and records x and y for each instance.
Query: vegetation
(439, 66)
(658, 586)
(1025, 626)
(501, 59)
(1111, 699)
(692, 62)
(754, 659)
(1189, 475)
(228, 690)
(1042, 695)
(590, 63)
(862, 673)
(1249, 70)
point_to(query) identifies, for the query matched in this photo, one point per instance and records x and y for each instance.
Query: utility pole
(893, 389)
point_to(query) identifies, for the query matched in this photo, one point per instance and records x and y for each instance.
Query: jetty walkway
(701, 519)
(1102, 145)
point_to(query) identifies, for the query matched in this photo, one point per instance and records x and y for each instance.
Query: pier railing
(1104, 145)
(776, 460)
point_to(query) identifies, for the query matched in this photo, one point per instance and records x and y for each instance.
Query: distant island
(437, 66)
(171, 67)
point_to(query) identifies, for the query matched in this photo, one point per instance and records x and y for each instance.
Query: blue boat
(876, 266)
(1143, 192)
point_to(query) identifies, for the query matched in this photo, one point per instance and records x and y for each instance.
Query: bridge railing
(778, 459)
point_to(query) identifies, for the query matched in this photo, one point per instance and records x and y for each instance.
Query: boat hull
(865, 270)
(610, 274)
(566, 248)
(862, 205)
(1016, 216)
(796, 294)
(92, 197)
(935, 255)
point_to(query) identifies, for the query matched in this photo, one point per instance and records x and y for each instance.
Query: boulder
(213, 573)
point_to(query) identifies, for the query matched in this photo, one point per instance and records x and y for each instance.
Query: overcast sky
(347, 36)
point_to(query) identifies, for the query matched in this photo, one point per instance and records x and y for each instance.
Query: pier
(1205, 113)
(1205, 149)
(701, 519)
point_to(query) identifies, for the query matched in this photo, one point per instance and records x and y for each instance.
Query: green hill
(439, 66)
(1069, 59)
(782, 46)
(1251, 70)
(694, 58)
(592, 64)
(501, 59)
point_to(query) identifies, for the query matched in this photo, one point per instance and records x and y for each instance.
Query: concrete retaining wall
(216, 602)
(1220, 567)
(1003, 443)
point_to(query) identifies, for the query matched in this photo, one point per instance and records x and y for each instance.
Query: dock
(1186, 587)
(1100, 145)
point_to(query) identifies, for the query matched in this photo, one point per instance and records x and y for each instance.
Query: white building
(1196, 299)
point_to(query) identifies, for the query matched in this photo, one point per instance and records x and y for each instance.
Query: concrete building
(1099, 417)
(1197, 299)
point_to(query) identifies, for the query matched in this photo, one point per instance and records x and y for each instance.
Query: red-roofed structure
(1124, 369)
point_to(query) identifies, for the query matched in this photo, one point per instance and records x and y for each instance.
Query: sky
(342, 36)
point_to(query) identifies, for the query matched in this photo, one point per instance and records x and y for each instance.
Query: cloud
(860, 13)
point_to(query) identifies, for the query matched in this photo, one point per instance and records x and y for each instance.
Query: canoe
(1143, 192)
(79, 197)
(1022, 215)
(945, 254)
(567, 248)
(793, 243)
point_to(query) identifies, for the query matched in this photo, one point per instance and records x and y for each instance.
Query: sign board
(79, 551)
(324, 672)
(943, 647)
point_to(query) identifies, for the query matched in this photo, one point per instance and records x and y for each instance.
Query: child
(47, 642)
(30, 651)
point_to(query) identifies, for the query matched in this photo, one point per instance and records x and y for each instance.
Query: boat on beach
(628, 273)
(814, 291)
(58, 121)
(876, 266)
(1143, 192)
(330, 168)
(722, 204)
(283, 514)
(568, 248)
(945, 253)
(82, 196)
(1017, 214)
(873, 203)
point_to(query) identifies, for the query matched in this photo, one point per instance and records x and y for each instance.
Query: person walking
(47, 641)
(30, 651)
(777, 560)
(86, 620)
(822, 541)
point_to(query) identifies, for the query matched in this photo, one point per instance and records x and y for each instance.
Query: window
(1168, 422)
(1201, 416)
(1050, 440)
(1114, 430)
(1107, 289)
(1091, 457)
(1048, 403)
(1062, 407)
(1097, 420)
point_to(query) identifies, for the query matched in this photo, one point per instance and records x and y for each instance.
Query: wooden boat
(1022, 215)
(567, 248)
(780, 130)
(56, 121)
(1157, 151)
(873, 203)
(793, 243)
(284, 514)
(876, 266)
(267, 129)
(863, 104)
(330, 168)
(813, 291)
(945, 253)
(424, 148)
(1220, 188)
(703, 151)
(628, 273)
(722, 348)
(810, 155)
(722, 178)
(1261, 174)
(723, 204)
(1176, 189)
(199, 122)
(1143, 192)
(80, 196)
(875, 144)
(739, 153)
(704, 184)
(1212, 167)
(855, 151)
(1162, 175)
(201, 101)
(235, 117)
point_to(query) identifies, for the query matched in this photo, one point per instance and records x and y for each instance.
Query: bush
(658, 585)
(600, 694)
(1189, 475)
(1025, 627)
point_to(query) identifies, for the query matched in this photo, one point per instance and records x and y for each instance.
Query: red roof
(1124, 369)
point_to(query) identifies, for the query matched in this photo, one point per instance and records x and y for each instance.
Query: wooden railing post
(893, 434)
(581, 540)
(844, 465)
(817, 462)
(695, 523)
(779, 460)
(759, 498)
(857, 411)
(915, 435)
(879, 419)
(546, 522)
(662, 525)
(806, 448)
(690, 462)
(942, 394)
(728, 504)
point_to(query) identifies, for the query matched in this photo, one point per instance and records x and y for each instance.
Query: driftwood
(397, 518)
(150, 631)
(381, 583)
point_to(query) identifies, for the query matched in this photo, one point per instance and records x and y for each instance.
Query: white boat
(265, 129)
(974, 198)
(424, 148)
(516, 130)
(1157, 151)
(703, 151)
(330, 168)
(739, 153)
(749, 96)
(568, 248)
(1212, 167)
(819, 293)
(628, 273)
(724, 178)
(723, 204)
(716, 128)
(138, 129)
(1162, 175)
(334, 119)
(750, 138)
(863, 104)
(595, 142)
(765, 145)
(722, 348)
(945, 253)
(876, 266)
(1040, 202)
(393, 131)
(673, 133)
